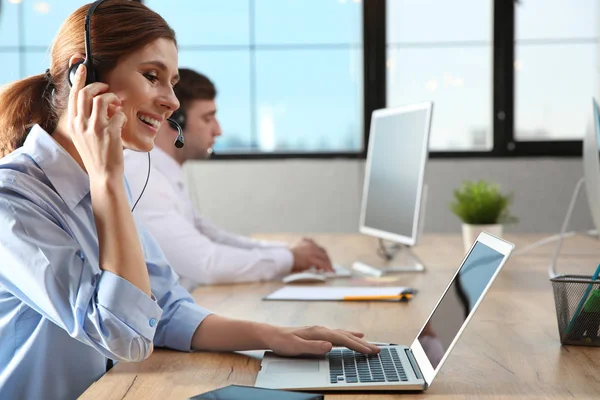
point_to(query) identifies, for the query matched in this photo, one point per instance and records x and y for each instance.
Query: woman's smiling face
(143, 81)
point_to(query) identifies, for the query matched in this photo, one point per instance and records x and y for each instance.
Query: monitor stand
(403, 260)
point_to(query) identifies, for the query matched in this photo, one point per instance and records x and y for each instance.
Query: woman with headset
(80, 282)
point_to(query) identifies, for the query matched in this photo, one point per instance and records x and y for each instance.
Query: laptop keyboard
(352, 367)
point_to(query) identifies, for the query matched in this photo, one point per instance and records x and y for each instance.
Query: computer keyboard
(351, 367)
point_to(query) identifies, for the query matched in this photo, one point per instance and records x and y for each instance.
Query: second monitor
(393, 190)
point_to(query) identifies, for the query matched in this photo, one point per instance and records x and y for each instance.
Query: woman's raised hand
(95, 124)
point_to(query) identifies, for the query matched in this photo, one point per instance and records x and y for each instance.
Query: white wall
(324, 195)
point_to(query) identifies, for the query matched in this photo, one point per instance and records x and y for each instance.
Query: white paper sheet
(311, 293)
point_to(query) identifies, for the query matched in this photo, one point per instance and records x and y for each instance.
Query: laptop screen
(458, 301)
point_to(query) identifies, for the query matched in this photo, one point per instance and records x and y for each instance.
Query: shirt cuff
(129, 304)
(284, 260)
(183, 325)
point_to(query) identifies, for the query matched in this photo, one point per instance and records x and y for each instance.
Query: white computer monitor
(395, 170)
(591, 165)
(591, 182)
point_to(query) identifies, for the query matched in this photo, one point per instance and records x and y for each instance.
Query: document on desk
(342, 293)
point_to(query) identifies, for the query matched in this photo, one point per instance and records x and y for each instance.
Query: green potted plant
(481, 206)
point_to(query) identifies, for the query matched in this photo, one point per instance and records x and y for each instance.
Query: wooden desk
(510, 350)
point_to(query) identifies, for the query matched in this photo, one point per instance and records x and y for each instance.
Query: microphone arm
(179, 143)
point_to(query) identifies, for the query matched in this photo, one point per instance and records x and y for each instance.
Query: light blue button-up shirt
(61, 316)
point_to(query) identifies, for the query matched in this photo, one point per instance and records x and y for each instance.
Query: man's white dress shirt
(199, 251)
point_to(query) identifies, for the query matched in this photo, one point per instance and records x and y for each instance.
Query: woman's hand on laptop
(315, 340)
(217, 333)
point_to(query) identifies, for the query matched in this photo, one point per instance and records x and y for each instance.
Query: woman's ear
(75, 58)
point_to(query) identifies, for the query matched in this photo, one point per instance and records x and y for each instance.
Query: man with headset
(199, 251)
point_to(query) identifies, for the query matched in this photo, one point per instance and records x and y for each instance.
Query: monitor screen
(396, 163)
(457, 303)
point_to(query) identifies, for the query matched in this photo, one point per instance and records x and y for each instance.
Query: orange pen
(406, 296)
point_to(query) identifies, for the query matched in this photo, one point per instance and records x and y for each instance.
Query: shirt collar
(167, 165)
(70, 181)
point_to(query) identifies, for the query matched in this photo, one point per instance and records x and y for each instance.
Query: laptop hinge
(414, 365)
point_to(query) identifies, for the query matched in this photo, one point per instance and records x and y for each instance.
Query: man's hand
(307, 254)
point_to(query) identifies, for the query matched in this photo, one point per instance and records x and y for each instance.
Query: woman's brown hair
(118, 27)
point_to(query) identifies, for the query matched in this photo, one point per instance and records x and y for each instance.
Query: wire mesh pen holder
(577, 301)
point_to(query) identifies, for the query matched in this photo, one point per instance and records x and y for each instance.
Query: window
(300, 78)
(556, 68)
(27, 29)
(9, 26)
(229, 70)
(9, 67)
(285, 85)
(42, 20)
(309, 100)
(442, 52)
(9, 44)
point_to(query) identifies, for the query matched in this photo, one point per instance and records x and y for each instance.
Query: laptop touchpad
(292, 366)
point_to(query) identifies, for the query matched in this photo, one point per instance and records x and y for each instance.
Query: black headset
(93, 76)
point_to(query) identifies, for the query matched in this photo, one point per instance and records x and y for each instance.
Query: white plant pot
(470, 233)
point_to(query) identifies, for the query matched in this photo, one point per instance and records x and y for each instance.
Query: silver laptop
(399, 367)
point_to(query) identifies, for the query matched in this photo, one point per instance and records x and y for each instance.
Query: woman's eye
(151, 78)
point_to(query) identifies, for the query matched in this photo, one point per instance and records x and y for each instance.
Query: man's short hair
(193, 86)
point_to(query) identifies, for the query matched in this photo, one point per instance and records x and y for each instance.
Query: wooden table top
(510, 350)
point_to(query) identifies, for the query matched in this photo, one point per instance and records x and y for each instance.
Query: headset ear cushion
(90, 77)
(73, 71)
